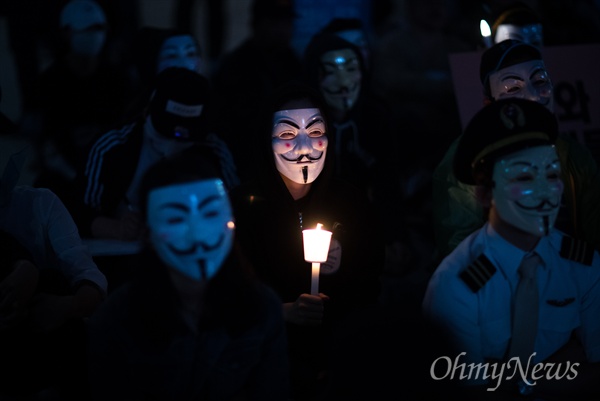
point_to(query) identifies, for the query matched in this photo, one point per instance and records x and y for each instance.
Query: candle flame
(484, 27)
(319, 225)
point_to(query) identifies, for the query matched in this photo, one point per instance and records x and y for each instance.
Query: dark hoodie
(269, 227)
(369, 151)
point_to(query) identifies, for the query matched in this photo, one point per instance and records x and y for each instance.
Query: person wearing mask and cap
(78, 96)
(486, 299)
(513, 69)
(194, 322)
(117, 160)
(154, 49)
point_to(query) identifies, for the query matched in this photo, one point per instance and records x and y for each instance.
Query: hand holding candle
(316, 249)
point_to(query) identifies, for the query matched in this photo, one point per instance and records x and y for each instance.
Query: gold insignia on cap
(525, 136)
(512, 116)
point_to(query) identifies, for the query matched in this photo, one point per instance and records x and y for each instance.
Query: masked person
(366, 136)
(154, 49)
(193, 323)
(94, 92)
(474, 295)
(108, 205)
(294, 190)
(513, 69)
(335, 67)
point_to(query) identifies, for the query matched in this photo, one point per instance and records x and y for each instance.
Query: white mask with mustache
(526, 80)
(179, 51)
(528, 188)
(340, 79)
(299, 144)
(191, 226)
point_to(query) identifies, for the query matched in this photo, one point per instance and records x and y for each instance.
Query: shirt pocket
(559, 319)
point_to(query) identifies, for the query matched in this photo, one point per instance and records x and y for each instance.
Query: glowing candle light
(486, 33)
(316, 249)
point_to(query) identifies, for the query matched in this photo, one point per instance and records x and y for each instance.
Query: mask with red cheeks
(299, 143)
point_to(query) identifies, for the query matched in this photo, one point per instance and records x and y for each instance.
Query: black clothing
(269, 224)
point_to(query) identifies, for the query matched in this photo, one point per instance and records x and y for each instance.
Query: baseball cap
(499, 128)
(82, 14)
(505, 54)
(177, 101)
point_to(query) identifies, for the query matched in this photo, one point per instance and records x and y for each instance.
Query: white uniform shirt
(479, 323)
(39, 220)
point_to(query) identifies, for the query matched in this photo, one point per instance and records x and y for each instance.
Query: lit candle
(316, 249)
(486, 33)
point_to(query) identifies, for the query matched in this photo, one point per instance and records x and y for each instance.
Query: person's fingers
(323, 297)
(311, 299)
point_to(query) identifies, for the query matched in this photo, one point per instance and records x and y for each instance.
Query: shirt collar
(508, 256)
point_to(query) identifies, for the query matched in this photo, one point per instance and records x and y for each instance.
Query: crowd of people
(463, 263)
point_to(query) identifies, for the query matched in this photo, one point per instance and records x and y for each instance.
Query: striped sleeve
(95, 163)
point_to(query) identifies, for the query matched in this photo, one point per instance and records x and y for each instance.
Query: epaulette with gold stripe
(478, 273)
(577, 250)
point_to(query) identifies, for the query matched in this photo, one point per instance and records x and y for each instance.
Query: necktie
(525, 313)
